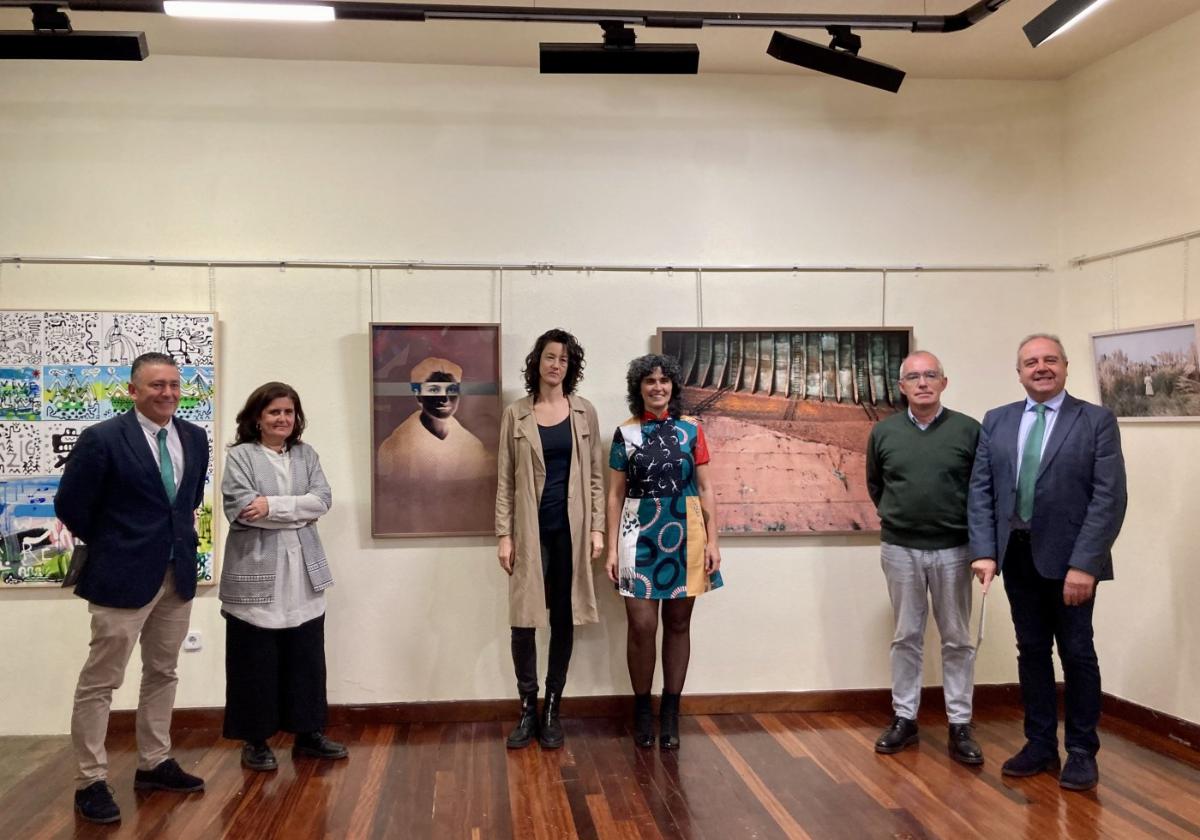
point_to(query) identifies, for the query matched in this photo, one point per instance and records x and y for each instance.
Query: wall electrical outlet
(192, 640)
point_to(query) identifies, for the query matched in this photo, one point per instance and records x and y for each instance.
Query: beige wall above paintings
(274, 160)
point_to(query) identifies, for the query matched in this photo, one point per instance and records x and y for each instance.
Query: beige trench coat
(522, 475)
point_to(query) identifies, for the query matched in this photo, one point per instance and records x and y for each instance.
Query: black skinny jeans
(557, 569)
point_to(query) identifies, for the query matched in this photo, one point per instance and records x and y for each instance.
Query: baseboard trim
(611, 705)
(1134, 716)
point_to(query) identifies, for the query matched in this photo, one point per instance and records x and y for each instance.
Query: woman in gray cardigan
(273, 581)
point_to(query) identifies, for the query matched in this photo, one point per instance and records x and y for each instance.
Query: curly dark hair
(533, 379)
(643, 366)
(257, 402)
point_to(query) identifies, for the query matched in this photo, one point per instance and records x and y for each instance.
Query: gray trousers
(915, 577)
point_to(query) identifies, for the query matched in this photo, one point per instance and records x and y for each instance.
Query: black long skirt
(274, 679)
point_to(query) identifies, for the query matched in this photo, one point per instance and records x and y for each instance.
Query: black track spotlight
(839, 59)
(620, 54)
(1058, 17)
(54, 38)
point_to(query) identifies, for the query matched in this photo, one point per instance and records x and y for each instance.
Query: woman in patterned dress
(662, 536)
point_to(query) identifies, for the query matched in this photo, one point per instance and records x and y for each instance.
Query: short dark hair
(533, 378)
(150, 359)
(257, 402)
(643, 366)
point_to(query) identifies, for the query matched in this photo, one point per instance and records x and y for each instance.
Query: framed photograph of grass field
(1149, 373)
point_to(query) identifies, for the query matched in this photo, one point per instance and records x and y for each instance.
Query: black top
(556, 449)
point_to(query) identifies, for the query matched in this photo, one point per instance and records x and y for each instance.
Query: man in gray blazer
(1046, 503)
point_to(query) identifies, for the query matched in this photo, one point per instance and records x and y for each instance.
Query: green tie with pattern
(1031, 459)
(165, 468)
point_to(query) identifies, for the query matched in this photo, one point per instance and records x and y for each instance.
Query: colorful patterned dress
(660, 546)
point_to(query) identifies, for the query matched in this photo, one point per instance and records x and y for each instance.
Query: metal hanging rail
(1077, 262)
(532, 267)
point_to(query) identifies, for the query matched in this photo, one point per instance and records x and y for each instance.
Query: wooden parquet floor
(765, 776)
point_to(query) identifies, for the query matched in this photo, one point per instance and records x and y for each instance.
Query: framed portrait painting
(787, 413)
(1149, 373)
(435, 425)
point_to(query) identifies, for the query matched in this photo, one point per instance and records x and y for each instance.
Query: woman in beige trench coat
(550, 523)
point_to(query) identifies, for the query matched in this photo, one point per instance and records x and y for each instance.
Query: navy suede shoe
(168, 775)
(1030, 761)
(95, 803)
(1080, 772)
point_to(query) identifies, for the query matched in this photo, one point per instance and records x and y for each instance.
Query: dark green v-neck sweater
(919, 479)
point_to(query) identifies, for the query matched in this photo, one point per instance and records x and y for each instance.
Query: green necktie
(165, 468)
(1031, 459)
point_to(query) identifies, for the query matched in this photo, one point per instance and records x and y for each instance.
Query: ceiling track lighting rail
(619, 52)
(355, 10)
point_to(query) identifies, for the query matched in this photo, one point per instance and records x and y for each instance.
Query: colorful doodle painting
(20, 393)
(61, 372)
(34, 546)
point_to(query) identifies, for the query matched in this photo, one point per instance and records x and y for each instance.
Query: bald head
(924, 355)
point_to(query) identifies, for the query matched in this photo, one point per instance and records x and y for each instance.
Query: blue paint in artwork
(20, 393)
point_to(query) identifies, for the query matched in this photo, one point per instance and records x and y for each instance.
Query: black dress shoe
(316, 745)
(526, 730)
(643, 721)
(963, 747)
(902, 733)
(668, 722)
(95, 803)
(168, 775)
(1080, 772)
(258, 756)
(551, 735)
(1030, 761)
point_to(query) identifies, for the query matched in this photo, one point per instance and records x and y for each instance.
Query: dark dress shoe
(1030, 761)
(1080, 772)
(643, 721)
(526, 730)
(95, 803)
(258, 756)
(551, 735)
(668, 722)
(963, 747)
(168, 775)
(316, 745)
(902, 733)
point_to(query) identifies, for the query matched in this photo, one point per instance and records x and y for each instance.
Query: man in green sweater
(918, 472)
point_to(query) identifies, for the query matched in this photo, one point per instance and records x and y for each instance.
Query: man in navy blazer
(130, 490)
(1046, 503)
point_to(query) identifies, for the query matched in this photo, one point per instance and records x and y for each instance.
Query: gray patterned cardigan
(251, 554)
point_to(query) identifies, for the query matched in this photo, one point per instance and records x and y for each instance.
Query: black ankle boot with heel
(668, 717)
(551, 737)
(527, 726)
(643, 720)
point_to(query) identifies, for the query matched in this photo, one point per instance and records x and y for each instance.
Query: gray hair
(915, 353)
(1049, 337)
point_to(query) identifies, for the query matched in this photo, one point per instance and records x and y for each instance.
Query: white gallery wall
(1132, 176)
(240, 159)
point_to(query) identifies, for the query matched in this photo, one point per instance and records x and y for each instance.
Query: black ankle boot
(668, 722)
(643, 720)
(551, 736)
(527, 727)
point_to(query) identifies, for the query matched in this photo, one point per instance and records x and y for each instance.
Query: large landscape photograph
(787, 413)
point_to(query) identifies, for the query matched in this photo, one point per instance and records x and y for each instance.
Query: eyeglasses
(918, 375)
(435, 389)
